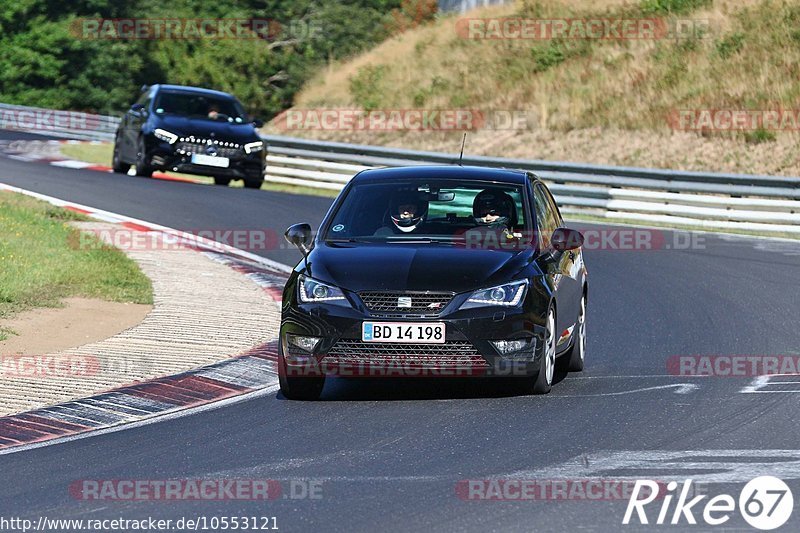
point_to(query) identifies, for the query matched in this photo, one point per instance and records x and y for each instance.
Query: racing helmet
(494, 202)
(407, 209)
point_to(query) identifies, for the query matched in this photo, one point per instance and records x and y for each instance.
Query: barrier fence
(769, 204)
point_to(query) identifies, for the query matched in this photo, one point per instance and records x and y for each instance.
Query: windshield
(197, 105)
(425, 210)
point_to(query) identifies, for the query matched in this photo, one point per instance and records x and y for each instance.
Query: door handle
(572, 256)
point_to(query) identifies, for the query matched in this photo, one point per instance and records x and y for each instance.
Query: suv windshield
(197, 105)
(425, 210)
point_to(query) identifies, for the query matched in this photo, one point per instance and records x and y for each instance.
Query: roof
(188, 88)
(444, 172)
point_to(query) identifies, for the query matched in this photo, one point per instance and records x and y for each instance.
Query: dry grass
(584, 99)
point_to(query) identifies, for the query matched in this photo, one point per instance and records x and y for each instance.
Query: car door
(558, 266)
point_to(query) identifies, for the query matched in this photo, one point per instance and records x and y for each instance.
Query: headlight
(257, 146)
(312, 290)
(507, 295)
(165, 135)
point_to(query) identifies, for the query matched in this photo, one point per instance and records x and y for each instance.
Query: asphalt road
(389, 454)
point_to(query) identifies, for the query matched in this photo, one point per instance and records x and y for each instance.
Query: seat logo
(404, 302)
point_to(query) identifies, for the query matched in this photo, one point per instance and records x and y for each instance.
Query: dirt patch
(80, 321)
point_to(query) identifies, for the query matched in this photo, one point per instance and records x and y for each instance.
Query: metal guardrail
(769, 204)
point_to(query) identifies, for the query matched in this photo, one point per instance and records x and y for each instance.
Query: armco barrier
(769, 204)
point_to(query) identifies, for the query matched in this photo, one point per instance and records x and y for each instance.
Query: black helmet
(494, 202)
(404, 199)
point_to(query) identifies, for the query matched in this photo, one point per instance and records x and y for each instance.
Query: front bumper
(164, 156)
(468, 350)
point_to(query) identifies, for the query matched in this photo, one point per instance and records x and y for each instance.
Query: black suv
(190, 130)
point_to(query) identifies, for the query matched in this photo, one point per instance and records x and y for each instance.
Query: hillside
(598, 100)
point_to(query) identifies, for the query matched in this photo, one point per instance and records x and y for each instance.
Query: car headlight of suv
(165, 135)
(312, 291)
(506, 295)
(253, 147)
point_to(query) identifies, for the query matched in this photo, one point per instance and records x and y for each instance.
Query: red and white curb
(242, 374)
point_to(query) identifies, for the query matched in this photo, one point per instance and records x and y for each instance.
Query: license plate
(210, 160)
(410, 332)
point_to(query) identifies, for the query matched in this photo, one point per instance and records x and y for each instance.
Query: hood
(358, 267)
(202, 128)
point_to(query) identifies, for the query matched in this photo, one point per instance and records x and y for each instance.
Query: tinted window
(546, 215)
(422, 208)
(197, 105)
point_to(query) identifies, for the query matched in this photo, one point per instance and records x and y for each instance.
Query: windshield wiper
(422, 240)
(340, 241)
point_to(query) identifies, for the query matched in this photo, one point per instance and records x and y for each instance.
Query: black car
(435, 271)
(190, 130)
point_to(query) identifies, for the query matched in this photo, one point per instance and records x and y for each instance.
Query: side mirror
(300, 236)
(566, 239)
(258, 123)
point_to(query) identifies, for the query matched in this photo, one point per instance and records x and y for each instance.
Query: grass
(41, 264)
(740, 54)
(100, 154)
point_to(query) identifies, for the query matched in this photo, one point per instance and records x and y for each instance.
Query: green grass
(41, 263)
(100, 154)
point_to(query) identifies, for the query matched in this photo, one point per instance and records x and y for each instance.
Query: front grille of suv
(199, 146)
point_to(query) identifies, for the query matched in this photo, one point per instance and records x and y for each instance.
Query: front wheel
(221, 180)
(117, 165)
(308, 388)
(252, 184)
(141, 167)
(544, 379)
(577, 354)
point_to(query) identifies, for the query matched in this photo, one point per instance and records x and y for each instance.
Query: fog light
(507, 347)
(307, 344)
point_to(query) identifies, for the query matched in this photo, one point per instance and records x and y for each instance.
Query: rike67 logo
(765, 503)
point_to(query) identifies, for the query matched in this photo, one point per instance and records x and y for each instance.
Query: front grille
(199, 146)
(450, 354)
(420, 302)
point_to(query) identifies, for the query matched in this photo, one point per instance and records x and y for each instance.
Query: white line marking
(680, 388)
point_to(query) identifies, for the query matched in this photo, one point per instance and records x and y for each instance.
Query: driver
(213, 111)
(407, 210)
(493, 208)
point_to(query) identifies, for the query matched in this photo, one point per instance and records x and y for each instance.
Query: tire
(299, 388)
(577, 354)
(543, 381)
(253, 184)
(140, 167)
(117, 165)
(221, 180)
